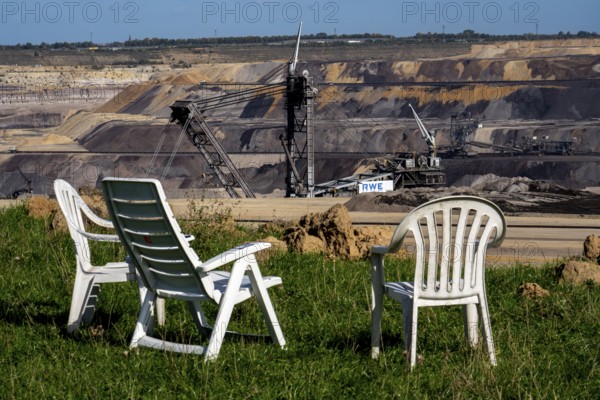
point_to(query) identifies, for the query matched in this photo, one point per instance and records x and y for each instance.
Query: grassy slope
(547, 348)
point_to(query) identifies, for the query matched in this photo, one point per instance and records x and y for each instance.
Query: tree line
(319, 38)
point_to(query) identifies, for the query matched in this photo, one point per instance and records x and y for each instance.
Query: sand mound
(532, 291)
(591, 247)
(56, 139)
(332, 233)
(124, 98)
(83, 123)
(579, 272)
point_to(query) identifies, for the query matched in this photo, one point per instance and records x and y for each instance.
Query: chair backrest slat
(432, 236)
(446, 250)
(460, 251)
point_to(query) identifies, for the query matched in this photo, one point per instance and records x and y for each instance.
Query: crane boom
(429, 137)
(189, 115)
(294, 60)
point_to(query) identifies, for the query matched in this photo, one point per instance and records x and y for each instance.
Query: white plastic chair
(450, 261)
(170, 268)
(89, 277)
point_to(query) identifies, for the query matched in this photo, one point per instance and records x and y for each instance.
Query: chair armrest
(379, 250)
(93, 217)
(377, 268)
(188, 237)
(100, 237)
(232, 255)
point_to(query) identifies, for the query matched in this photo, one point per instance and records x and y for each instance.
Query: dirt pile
(583, 271)
(591, 247)
(579, 272)
(532, 291)
(43, 207)
(332, 233)
(396, 201)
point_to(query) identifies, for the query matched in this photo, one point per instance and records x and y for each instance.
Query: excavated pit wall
(512, 88)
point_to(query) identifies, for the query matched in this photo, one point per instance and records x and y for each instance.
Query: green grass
(546, 348)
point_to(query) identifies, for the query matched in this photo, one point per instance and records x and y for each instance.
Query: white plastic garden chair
(88, 277)
(170, 268)
(450, 261)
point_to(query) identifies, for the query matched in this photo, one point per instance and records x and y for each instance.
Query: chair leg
(160, 311)
(160, 304)
(144, 320)
(198, 315)
(410, 314)
(83, 302)
(376, 316)
(376, 303)
(471, 324)
(225, 308)
(486, 327)
(265, 304)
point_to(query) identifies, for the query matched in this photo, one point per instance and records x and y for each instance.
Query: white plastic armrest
(93, 217)
(189, 237)
(100, 237)
(232, 255)
(379, 250)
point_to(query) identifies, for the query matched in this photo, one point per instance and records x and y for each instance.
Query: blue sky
(115, 20)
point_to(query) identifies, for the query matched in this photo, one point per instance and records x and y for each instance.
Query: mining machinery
(403, 170)
(298, 141)
(24, 191)
(462, 132)
(299, 93)
(415, 170)
(408, 170)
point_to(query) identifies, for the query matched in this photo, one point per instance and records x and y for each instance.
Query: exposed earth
(516, 90)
